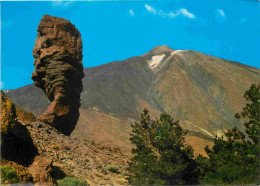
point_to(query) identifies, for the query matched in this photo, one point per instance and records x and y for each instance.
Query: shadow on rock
(17, 145)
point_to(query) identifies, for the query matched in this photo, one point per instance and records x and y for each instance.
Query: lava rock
(8, 114)
(16, 142)
(59, 71)
(41, 170)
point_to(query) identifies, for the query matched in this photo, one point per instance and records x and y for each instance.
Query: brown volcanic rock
(73, 157)
(18, 150)
(23, 115)
(59, 71)
(41, 170)
(8, 114)
(16, 143)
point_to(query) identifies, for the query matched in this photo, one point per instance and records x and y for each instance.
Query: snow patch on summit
(155, 61)
(176, 52)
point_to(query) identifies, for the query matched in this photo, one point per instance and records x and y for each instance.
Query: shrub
(9, 175)
(72, 181)
(113, 168)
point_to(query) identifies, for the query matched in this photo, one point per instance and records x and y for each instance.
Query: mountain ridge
(203, 91)
(119, 61)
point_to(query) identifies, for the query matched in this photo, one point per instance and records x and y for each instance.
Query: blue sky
(117, 30)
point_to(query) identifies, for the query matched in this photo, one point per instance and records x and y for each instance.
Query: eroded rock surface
(8, 114)
(75, 157)
(23, 115)
(18, 149)
(59, 71)
(41, 170)
(16, 142)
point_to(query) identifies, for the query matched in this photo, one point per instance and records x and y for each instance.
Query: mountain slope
(202, 91)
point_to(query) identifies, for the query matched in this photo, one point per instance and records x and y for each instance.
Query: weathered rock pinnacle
(59, 71)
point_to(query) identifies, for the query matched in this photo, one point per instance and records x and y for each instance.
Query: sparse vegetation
(113, 168)
(9, 175)
(72, 181)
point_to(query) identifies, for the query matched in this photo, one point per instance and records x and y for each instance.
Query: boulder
(41, 170)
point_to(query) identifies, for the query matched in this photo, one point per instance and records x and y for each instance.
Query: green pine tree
(160, 155)
(251, 113)
(234, 159)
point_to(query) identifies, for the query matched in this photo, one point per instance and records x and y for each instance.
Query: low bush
(9, 175)
(113, 168)
(72, 181)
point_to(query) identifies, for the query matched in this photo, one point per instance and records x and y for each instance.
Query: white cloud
(221, 12)
(165, 14)
(186, 13)
(60, 3)
(131, 12)
(182, 11)
(150, 8)
(6, 23)
(171, 15)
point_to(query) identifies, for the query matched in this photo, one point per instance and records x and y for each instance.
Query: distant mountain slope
(203, 91)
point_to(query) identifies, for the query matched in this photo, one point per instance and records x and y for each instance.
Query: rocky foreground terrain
(80, 158)
(46, 155)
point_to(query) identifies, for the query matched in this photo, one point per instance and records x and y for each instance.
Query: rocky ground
(79, 158)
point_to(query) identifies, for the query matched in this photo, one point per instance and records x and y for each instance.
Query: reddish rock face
(59, 71)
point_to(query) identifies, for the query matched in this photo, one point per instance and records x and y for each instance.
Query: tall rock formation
(59, 71)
